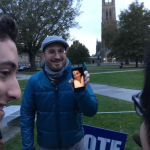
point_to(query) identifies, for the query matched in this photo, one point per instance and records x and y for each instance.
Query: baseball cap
(52, 39)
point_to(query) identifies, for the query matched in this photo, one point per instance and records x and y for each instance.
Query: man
(49, 93)
(9, 87)
(121, 65)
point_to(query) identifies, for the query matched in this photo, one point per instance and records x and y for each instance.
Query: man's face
(77, 75)
(54, 56)
(9, 87)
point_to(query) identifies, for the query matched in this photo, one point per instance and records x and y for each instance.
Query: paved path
(22, 77)
(116, 71)
(115, 92)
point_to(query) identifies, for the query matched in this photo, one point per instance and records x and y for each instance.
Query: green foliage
(133, 33)
(38, 18)
(78, 53)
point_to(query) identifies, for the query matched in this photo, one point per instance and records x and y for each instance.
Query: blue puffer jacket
(59, 112)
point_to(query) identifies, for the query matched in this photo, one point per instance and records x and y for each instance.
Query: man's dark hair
(8, 29)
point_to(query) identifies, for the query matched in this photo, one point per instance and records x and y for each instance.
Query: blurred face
(54, 56)
(9, 87)
(77, 75)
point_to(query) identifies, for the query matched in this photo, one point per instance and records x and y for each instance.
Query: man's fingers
(71, 81)
(87, 76)
(85, 73)
(86, 81)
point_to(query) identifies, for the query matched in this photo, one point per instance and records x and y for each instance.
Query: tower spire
(103, 2)
(113, 2)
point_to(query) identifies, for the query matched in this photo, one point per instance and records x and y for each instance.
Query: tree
(93, 55)
(133, 33)
(38, 18)
(78, 53)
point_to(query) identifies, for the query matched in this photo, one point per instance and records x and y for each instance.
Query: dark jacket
(59, 111)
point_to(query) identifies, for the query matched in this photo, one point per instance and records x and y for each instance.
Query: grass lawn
(107, 70)
(127, 123)
(102, 70)
(131, 80)
(116, 67)
(93, 69)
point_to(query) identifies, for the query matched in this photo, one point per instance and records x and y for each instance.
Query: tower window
(108, 1)
(106, 15)
(110, 13)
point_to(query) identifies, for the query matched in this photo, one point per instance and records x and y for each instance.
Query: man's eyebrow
(8, 63)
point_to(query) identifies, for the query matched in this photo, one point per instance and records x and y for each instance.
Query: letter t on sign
(114, 144)
(103, 143)
(90, 145)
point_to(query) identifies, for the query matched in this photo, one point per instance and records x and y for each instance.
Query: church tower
(108, 11)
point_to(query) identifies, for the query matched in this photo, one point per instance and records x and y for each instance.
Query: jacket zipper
(58, 117)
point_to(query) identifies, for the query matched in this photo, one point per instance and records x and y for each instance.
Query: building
(108, 13)
(23, 60)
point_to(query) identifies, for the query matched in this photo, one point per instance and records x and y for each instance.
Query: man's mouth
(56, 61)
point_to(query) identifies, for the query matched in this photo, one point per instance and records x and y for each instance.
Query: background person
(121, 65)
(142, 105)
(84, 66)
(9, 87)
(59, 109)
(145, 101)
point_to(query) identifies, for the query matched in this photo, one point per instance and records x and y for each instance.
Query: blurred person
(142, 105)
(145, 102)
(59, 109)
(84, 66)
(121, 65)
(9, 87)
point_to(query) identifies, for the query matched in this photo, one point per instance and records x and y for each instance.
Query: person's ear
(65, 52)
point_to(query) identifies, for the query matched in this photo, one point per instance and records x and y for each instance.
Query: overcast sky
(90, 21)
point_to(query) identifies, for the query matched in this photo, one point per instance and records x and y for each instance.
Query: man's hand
(86, 82)
(86, 76)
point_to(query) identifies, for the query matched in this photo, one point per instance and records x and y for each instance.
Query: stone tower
(108, 12)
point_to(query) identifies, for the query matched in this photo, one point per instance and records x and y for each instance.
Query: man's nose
(57, 55)
(14, 91)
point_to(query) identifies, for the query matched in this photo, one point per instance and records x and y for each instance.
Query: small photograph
(78, 78)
